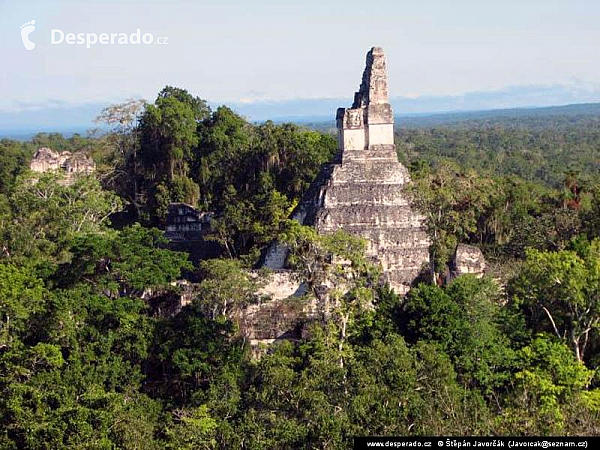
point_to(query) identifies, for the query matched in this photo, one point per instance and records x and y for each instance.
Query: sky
(249, 51)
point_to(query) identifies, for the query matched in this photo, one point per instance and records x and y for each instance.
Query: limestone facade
(45, 160)
(468, 259)
(72, 164)
(361, 191)
(185, 223)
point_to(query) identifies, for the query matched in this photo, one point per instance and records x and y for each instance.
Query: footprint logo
(26, 30)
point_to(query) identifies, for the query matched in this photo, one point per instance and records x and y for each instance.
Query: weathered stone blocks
(361, 192)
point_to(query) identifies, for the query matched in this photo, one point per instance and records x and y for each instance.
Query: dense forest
(85, 362)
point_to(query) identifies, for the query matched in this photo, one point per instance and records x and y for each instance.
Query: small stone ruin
(70, 164)
(468, 259)
(185, 223)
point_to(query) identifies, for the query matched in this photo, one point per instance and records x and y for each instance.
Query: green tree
(21, 295)
(13, 161)
(225, 289)
(463, 319)
(194, 429)
(168, 136)
(561, 292)
(547, 380)
(123, 263)
(47, 214)
(191, 351)
(337, 274)
(118, 149)
(452, 200)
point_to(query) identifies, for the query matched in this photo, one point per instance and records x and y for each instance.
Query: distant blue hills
(56, 116)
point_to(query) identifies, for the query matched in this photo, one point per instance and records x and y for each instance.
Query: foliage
(504, 215)
(225, 289)
(168, 136)
(116, 152)
(125, 262)
(462, 319)
(533, 149)
(561, 291)
(86, 362)
(249, 175)
(548, 378)
(13, 159)
(21, 295)
(46, 214)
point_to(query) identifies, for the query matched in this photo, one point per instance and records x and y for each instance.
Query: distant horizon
(289, 61)
(248, 53)
(26, 133)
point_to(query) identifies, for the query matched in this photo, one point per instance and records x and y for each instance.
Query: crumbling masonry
(361, 191)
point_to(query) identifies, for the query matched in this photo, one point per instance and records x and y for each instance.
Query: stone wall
(69, 164)
(468, 259)
(361, 191)
(282, 311)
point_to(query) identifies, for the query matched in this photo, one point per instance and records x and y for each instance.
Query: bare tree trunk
(552, 322)
(578, 353)
(345, 318)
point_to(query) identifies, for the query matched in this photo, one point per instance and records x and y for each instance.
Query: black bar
(455, 443)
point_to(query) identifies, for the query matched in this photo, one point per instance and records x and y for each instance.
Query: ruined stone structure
(45, 160)
(72, 164)
(361, 191)
(170, 301)
(187, 229)
(79, 163)
(282, 311)
(186, 223)
(468, 259)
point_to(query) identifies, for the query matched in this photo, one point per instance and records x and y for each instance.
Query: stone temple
(361, 190)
